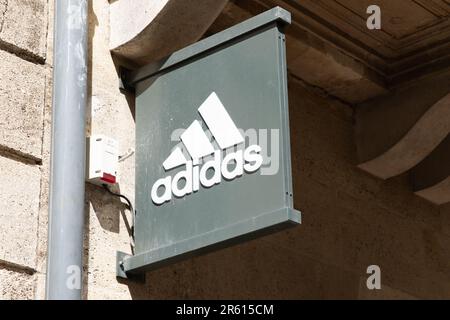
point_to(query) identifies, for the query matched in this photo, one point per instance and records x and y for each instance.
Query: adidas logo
(199, 146)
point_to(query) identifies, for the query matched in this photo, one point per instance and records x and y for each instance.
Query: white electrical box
(102, 160)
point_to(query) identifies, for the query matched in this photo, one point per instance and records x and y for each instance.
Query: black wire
(120, 196)
(133, 213)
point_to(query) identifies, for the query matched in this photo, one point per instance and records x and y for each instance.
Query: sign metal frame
(132, 266)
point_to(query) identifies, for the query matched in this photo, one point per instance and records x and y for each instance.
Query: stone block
(16, 286)
(19, 205)
(30, 17)
(22, 95)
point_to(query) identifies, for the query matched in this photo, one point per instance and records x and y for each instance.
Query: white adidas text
(249, 161)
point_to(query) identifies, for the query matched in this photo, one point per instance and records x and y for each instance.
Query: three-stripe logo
(198, 146)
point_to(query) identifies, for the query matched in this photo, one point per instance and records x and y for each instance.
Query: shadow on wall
(109, 210)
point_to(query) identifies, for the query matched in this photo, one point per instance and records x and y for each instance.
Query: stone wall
(24, 144)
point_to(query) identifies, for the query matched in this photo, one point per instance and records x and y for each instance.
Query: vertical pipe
(66, 216)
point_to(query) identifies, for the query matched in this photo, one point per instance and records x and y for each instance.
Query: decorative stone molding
(408, 130)
(147, 30)
(431, 178)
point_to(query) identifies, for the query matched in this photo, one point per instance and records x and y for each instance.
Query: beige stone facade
(351, 219)
(25, 99)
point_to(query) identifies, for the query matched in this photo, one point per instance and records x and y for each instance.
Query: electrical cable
(128, 154)
(130, 206)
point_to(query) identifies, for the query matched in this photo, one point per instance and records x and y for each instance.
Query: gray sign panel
(213, 161)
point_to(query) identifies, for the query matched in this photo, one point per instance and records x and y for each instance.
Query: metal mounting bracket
(123, 80)
(120, 269)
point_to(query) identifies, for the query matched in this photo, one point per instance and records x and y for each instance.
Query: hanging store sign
(213, 163)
